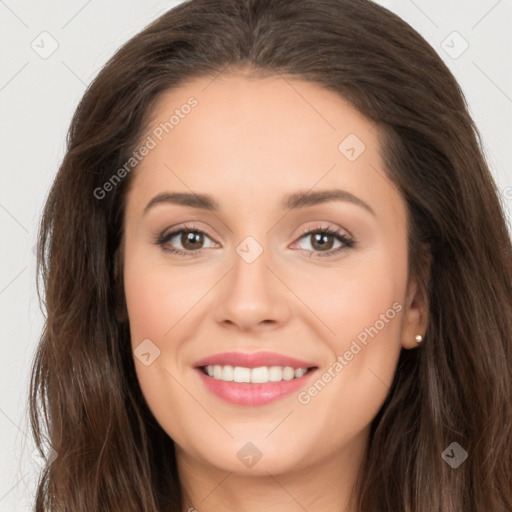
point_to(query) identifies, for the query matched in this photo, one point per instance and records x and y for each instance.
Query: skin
(248, 143)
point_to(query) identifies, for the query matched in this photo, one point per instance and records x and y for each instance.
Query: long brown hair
(456, 387)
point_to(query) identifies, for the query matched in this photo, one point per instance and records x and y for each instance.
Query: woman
(277, 275)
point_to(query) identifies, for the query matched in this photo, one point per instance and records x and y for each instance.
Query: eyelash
(347, 242)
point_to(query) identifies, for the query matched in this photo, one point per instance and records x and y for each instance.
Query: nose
(253, 296)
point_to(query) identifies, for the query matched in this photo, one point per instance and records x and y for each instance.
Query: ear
(416, 311)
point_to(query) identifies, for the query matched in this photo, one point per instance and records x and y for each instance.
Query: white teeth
(260, 375)
(275, 373)
(240, 374)
(217, 372)
(288, 373)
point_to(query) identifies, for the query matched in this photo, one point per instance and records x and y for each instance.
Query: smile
(253, 379)
(259, 375)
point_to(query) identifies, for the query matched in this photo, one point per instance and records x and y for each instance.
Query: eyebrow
(300, 199)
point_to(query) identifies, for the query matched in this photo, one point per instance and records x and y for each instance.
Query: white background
(38, 97)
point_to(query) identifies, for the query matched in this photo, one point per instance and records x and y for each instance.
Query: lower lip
(252, 395)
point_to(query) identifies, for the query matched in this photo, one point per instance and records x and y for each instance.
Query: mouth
(253, 379)
(258, 375)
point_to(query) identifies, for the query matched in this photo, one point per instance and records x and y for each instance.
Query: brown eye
(322, 241)
(190, 239)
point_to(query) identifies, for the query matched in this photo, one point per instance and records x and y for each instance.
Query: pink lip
(253, 360)
(245, 393)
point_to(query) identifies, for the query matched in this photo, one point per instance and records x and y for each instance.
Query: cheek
(349, 392)
(158, 299)
(362, 306)
(159, 296)
(357, 297)
(150, 298)
(167, 305)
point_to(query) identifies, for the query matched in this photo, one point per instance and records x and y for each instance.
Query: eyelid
(321, 226)
(337, 232)
(303, 231)
(185, 227)
(346, 239)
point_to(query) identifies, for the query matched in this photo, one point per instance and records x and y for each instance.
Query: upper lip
(253, 360)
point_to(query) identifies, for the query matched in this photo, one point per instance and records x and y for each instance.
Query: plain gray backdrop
(50, 53)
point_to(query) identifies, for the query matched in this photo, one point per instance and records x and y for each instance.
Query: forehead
(234, 107)
(241, 136)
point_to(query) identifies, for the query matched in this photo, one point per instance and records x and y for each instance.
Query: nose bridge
(251, 273)
(253, 294)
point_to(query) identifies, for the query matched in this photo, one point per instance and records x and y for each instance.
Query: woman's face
(278, 159)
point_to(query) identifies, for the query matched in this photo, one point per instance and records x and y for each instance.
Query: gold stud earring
(419, 338)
